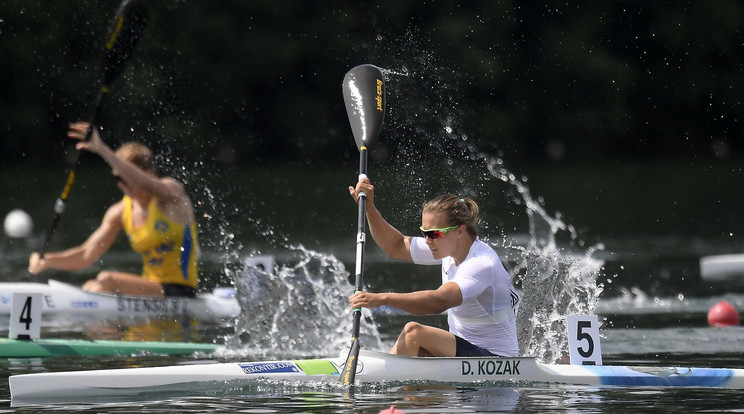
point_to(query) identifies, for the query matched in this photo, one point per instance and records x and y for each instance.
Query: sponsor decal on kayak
(84, 304)
(269, 367)
(127, 304)
(491, 367)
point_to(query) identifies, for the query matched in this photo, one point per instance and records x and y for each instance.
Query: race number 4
(25, 316)
(583, 340)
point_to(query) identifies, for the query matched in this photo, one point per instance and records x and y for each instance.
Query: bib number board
(25, 316)
(583, 340)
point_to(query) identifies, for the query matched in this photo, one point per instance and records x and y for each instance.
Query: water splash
(299, 309)
(555, 283)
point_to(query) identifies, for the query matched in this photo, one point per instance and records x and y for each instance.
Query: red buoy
(391, 410)
(723, 314)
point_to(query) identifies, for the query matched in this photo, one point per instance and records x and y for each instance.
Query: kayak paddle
(364, 96)
(126, 30)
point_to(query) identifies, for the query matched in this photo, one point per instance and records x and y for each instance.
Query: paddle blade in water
(348, 374)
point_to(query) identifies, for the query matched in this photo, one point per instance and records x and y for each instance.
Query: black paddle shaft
(349, 372)
(364, 95)
(125, 33)
(361, 239)
(361, 221)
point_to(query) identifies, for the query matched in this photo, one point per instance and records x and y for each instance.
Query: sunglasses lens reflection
(432, 234)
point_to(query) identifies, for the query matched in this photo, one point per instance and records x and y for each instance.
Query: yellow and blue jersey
(168, 248)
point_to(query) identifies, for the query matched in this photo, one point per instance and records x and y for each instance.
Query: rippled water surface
(645, 285)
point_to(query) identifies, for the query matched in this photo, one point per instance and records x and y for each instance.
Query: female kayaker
(155, 213)
(476, 290)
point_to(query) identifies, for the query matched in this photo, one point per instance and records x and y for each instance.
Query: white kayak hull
(372, 367)
(63, 299)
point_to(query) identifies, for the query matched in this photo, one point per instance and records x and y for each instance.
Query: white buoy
(18, 224)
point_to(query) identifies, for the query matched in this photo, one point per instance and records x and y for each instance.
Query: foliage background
(239, 82)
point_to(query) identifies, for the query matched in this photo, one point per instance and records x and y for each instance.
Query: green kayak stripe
(317, 367)
(62, 347)
(55, 349)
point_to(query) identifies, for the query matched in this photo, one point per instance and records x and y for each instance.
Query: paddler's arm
(422, 302)
(171, 196)
(82, 256)
(391, 241)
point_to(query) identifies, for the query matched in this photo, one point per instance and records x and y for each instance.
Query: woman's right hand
(364, 185)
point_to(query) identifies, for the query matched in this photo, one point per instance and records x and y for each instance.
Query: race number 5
(583, 340)
(25, 316)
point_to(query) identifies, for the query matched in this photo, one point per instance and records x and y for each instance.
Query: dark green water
(653, 220)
